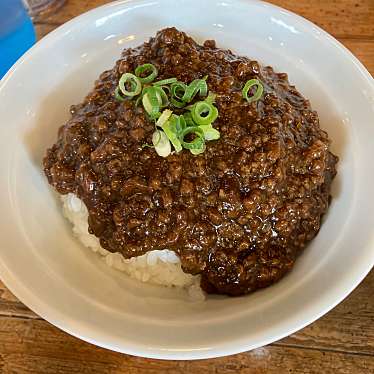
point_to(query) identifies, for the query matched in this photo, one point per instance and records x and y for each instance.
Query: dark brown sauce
(238, 214)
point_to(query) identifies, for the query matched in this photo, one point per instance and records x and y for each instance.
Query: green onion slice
(167, 88)
(210, 133)
(161, 143)
(117, 95)
(140, 70)
(198, 150)
(181, 124)
(152, 102)
(197, 85)
(165, 81)
(165, 115)
(177, 90)
(162, 96)
(204, 113)
(197, 142)
(171, 131)
(136, 86)
(257, 94)
(211, 98)
(176, 103)
(188, 119)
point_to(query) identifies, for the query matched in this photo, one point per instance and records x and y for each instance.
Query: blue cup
(17, 33)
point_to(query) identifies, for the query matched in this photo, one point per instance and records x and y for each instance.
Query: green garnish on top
(189, 130)
(258, 92)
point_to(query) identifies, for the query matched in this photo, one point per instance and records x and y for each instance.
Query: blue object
(17, 33)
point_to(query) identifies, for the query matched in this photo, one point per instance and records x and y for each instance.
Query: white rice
(156, 267)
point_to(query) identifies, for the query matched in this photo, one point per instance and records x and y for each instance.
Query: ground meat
(238, 214)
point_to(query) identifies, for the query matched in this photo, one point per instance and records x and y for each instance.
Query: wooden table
(340, 342)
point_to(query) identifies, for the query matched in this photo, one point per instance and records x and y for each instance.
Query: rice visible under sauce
(156, 267)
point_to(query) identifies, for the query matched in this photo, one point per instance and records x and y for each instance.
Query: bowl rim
(62, 321)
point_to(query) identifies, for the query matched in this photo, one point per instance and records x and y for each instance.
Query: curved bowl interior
(45, 266)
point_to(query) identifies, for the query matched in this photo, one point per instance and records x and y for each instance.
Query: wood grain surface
(340, 342)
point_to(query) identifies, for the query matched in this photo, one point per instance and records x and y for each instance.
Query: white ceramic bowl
(71, 287)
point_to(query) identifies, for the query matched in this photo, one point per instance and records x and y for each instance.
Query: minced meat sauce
(239, 213)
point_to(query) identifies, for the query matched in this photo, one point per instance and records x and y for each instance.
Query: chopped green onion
(147, 104)
(176, 103)
(117, 95)
(154, 98)
(163, 97)
(181, 124)
(198, 150)
(161, 143)
(257, 94)
(171, 130)
(164, 117)
(136, 86)
(204, 113)
(197, 85)
(210, 133)
(165, 81)
(203, 87)
(197, 143)
(144, 69)
(167, 88)
(151, 102)
(211, 98)
(188, 119)
(177, 89)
